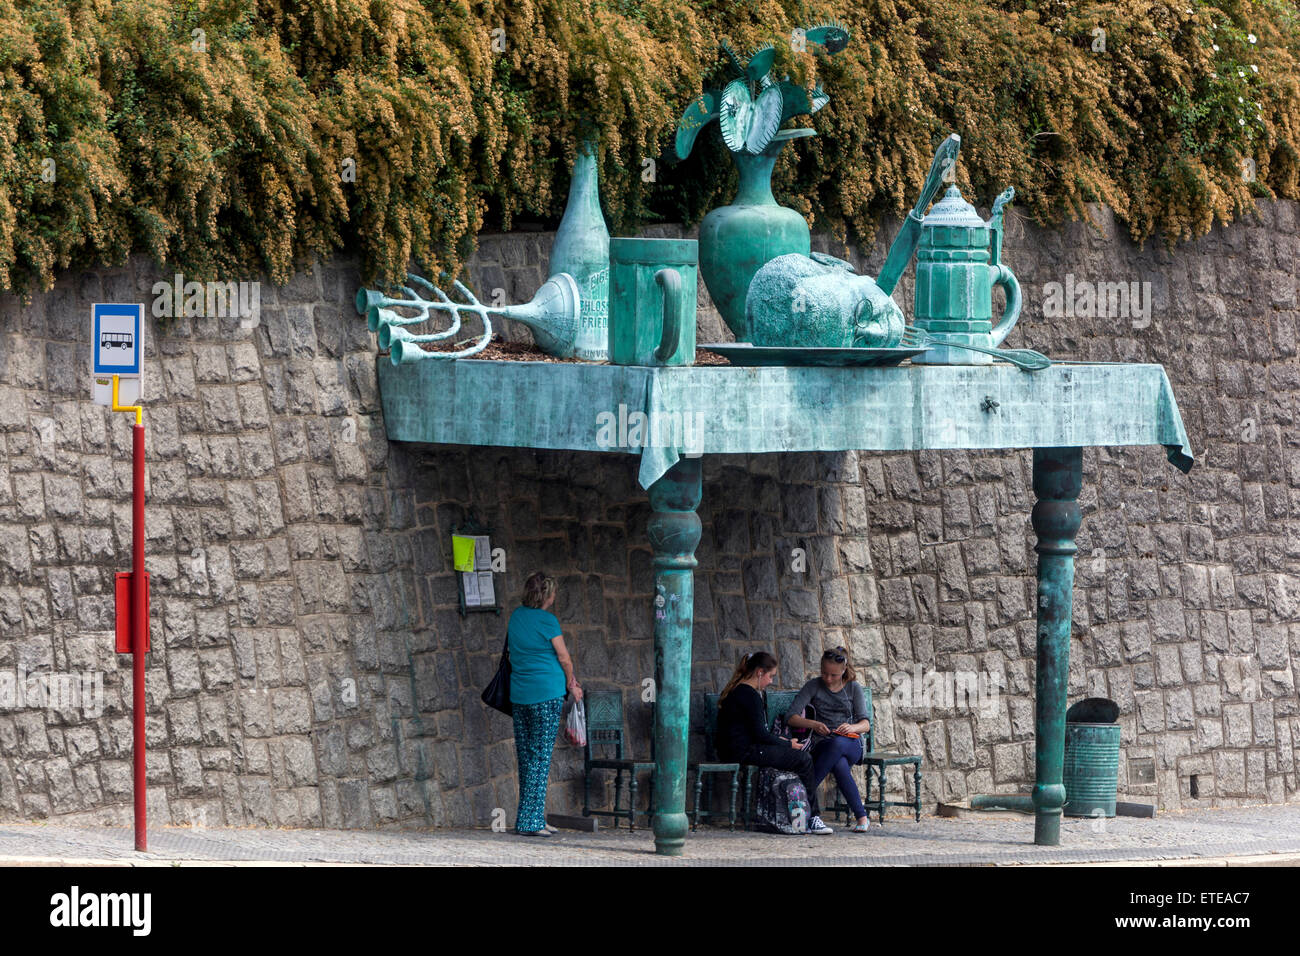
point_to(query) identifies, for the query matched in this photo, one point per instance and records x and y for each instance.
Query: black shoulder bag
(497, 693)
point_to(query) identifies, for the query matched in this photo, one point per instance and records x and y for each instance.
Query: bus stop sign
(117, 348)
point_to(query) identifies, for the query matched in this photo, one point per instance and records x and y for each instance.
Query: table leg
(1058, 476)
(674, 532)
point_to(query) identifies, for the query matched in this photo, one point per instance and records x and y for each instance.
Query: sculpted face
(878, 322)
(818, 300)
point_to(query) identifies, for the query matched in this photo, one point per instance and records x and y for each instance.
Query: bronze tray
(743, 353)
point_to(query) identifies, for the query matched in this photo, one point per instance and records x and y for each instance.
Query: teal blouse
(535, 672)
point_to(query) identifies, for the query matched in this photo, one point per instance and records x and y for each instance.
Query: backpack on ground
(781, 805)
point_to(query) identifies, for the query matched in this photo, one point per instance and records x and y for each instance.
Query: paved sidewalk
(1242, 836)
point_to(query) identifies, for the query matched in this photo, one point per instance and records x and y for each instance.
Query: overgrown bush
(233, 137)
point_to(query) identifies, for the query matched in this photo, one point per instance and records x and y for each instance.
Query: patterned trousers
(536, 726)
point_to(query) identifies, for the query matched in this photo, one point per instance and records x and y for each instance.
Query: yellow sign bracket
(138, 409)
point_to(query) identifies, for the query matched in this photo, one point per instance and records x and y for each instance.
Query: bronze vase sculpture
(738, 240)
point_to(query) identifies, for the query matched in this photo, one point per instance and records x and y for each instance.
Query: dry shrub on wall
(1202, 102)
(228, 152)
(44, 90)
(465, 116)
(1147, 116)
(128, 131)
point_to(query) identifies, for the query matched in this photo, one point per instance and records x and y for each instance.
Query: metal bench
(778, 703)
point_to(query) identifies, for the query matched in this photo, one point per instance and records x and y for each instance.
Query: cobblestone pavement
(1189, 835)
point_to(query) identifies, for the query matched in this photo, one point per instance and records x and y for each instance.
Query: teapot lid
(952, 210)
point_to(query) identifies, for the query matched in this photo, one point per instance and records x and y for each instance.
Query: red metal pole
(139, 630)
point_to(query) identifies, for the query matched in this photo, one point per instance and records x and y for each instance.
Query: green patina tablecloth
(727, 409)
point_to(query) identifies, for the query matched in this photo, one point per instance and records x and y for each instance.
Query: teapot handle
(1004, 277)
(671, 283)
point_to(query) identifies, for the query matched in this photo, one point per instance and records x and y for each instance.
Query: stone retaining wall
(310, 667)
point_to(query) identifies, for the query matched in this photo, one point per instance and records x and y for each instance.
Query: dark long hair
(757, 661)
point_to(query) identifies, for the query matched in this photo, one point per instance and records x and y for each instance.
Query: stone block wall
(309, 664)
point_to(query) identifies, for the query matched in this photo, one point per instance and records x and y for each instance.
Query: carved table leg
(1058, 476)
(674, 531)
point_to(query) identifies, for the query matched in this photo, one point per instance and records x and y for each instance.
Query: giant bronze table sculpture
(1056, 412)
(960, 391)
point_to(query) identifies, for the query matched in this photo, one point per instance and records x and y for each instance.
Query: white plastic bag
(575, 722)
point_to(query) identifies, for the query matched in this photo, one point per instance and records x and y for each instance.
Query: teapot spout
(995, 224)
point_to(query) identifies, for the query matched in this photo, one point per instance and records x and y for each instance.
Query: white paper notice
(469, 580)
(486, 593)
(482, 555)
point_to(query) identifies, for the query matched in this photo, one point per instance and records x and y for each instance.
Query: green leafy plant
(119, 135)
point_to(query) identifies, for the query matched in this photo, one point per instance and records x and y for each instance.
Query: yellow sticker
(462, 552)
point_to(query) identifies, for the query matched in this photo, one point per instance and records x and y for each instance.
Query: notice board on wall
(471, 550)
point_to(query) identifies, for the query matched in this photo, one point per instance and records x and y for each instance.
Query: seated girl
(744, 737)
(840, 719)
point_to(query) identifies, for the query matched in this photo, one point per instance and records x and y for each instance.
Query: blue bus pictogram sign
(115, 336)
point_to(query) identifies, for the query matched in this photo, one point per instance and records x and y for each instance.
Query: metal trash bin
(1091, 774)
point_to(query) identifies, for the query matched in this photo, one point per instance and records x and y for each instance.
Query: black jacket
(742, 724)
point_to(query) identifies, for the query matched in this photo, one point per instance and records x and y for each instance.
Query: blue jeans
(837, 755)
(535, 728)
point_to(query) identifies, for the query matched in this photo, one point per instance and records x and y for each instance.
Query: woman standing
(840, 707)
(743, 735)
(540, 670)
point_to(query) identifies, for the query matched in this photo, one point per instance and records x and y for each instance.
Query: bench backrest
(709, 727)
(869, 744)
(778, 705)
(604, 709)
(604, 720)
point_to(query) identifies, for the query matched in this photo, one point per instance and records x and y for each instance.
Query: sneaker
(815, 825)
